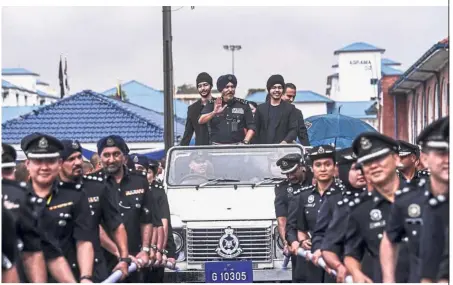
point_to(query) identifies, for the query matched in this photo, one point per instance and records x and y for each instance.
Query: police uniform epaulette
(91, 177)
(330, 191)
(344, 201)
(242, 101)
(156, 185)
(356, 201)
(403, 191)
(424, 173)
(436, 201)
(211, 101)
(302, 189)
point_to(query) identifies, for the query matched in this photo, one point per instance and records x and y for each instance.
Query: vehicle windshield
(242, 164)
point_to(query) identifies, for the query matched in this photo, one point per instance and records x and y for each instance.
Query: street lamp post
(232, 48)
(168, 78)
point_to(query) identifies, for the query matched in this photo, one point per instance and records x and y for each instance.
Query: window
(373, 81)
(415, 116)
(5, 95)
(17, 99)
(436, 101)
(429, 107)
(26, 100)
(445, 99)
(41, 102)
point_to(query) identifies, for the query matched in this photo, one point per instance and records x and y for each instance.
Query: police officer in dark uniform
(103, 208)
(378, 156)
(9, 248)
(230, 119)
(294, 167)
(409, 156)
(303, 212)
(434, 255)
(169, 253)
(137, 206)
(66, 215)
(332, 245)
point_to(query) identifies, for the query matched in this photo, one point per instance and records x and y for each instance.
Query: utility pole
(232, 48)
(168, 78)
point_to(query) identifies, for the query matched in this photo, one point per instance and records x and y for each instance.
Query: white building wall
(335, 89)
(356, 69)
(312, 109)
(24, 81)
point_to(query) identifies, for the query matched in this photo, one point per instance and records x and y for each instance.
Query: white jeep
(222, 212)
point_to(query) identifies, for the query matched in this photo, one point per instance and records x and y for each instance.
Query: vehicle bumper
(260, 275)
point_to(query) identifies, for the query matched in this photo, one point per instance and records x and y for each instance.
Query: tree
(254, 90)
(187, 89)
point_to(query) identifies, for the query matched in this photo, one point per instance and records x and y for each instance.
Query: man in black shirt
(409, 156)
(230, 119)
(289, 96)
(204, 85)
(276, 121)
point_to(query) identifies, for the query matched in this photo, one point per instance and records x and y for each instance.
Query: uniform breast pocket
(133, 201)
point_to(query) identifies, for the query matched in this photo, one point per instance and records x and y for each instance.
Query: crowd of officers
(65, 225)
(377, 211)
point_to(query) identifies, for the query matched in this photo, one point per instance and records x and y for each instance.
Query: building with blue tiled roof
(148, 97)
(22, 87)
(358, 72)
(88, 116)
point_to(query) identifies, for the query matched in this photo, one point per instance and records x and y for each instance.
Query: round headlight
(179, 242)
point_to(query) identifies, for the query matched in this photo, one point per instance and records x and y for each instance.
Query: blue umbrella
(335, 129)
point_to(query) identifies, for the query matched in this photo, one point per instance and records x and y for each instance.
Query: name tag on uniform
(93, 199)
(59, 206)
(10, 205)
(237, 111)
(377, 224)
(135, 192)
(310, 205)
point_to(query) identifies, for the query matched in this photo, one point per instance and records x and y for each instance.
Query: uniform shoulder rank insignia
(433, 202)
(242, 101)
(403, 191)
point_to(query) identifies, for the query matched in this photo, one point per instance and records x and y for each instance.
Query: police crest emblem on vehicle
(229, 245)
(375, 215)
(311, 198)
(413, 211)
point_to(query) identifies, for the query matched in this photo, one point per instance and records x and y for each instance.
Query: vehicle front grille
(256, 244)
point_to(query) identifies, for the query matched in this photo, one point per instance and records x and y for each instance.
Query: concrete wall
(356, 69)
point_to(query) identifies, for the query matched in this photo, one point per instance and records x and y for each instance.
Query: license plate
(229, 272)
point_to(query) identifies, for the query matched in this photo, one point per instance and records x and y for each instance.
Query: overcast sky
(104, 45)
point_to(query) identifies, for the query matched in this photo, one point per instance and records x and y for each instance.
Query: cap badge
(110, 142)
(321, 149)
(284, 163)
(230, 77)
(136, 159)
(75, 145)
(365, 143)
(43, 143)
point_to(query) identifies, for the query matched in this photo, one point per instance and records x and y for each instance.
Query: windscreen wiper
(267, 180)
(215, 181)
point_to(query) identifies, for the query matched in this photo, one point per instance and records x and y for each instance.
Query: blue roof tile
(39, 82)
(148, 97)
(389, 71)
(88, 116)
(9, 113)
(387, 61)
(304, 96)
(359, 46)
(17, 71)
(354, 109)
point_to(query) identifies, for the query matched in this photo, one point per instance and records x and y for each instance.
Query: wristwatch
(125, 259)
(163, 251)
(146, 249)
(153, 247)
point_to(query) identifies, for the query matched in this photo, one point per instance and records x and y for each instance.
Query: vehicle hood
(209, 204)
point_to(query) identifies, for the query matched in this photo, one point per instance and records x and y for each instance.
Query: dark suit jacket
(302, 133)
(201, 131)
(286, 128)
